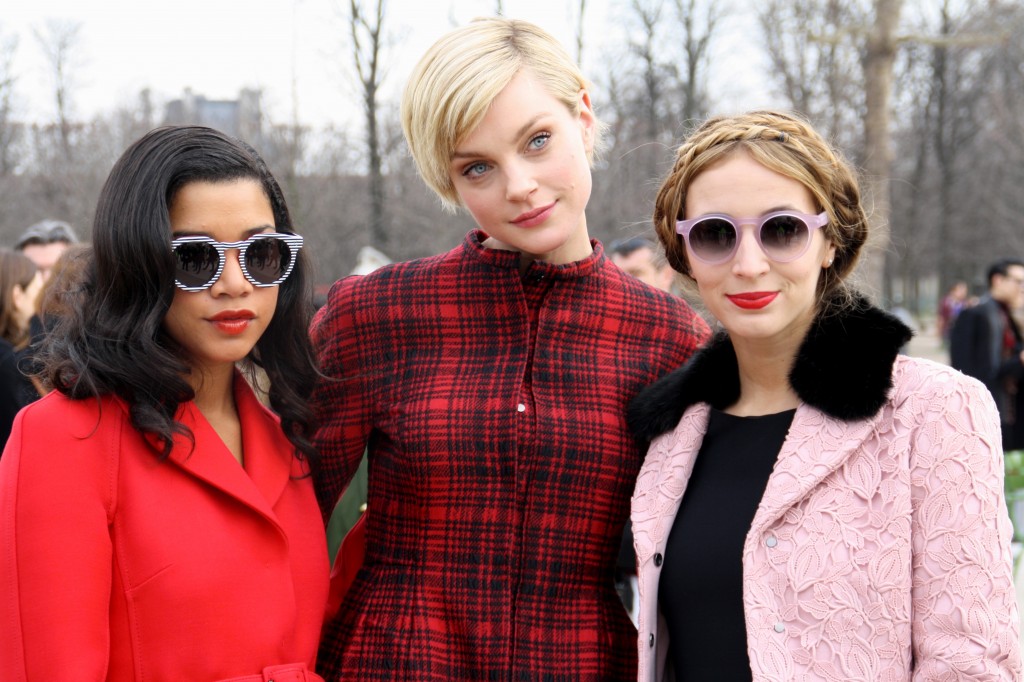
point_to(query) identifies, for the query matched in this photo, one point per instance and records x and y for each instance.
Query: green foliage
(1014, 487)
(1014, 463)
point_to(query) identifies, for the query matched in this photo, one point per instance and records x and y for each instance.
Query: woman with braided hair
(813, 505)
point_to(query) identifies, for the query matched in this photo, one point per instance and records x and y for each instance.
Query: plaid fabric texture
(493, 405)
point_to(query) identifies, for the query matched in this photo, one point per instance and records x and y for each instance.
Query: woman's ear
(19, 296)
(830, 256)
(588, 121)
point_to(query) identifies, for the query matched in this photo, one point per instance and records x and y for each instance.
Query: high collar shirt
(492, 403)
(121, 567)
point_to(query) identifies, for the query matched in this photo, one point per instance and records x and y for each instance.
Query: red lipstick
(753, 300)
(534, 217)
(232, 322)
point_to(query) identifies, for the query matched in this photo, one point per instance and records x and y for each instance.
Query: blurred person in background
(60, 294)
(20, 284)
(986, 344)
(44, 242)
(950, 307)
(641, 258)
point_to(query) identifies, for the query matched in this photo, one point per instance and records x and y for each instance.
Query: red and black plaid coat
(493, 405)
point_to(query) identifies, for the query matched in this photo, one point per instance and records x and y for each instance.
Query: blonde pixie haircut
(788, 145)
(453, 85)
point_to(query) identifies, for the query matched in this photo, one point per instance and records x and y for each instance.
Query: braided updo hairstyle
(788, 145)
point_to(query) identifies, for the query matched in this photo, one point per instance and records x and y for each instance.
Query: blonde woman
(489, 384)
(813, 505)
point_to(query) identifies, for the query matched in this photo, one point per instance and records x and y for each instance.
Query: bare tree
(59, 41)
(816, 62)
(579, 30)
(8, 128)
(366, 32)
(699, 20)
(879, 57)
(946, 102)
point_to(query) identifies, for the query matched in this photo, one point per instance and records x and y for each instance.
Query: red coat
(493, 404)
(119, 566)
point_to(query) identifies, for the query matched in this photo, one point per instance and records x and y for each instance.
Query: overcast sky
(216, 47)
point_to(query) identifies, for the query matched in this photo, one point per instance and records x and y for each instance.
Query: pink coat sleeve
(56, 497)
(965, 618)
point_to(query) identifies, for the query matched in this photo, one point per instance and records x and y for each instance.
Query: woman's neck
(764, 379)
(215, 400)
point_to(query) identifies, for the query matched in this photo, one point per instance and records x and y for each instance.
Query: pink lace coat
(881, 548)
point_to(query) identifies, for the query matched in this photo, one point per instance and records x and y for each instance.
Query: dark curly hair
(112, 341)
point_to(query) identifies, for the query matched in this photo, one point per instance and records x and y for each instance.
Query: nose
(232, 281)
(749, 260)
(520, 182)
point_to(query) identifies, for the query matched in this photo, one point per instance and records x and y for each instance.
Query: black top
(16, 389)
(701, 586)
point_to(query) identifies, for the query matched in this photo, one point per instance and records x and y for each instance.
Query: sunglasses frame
(293, 241)
(812, 221)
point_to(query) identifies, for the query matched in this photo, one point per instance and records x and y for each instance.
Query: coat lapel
(815, 446)
(662, 482)
(842, 374)
(260, 484)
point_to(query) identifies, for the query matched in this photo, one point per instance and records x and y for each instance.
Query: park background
(926, 97)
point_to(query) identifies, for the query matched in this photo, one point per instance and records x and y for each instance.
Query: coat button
(771, 541)
(521, 408)
(658, 559)
(779, 627)
(652, 639)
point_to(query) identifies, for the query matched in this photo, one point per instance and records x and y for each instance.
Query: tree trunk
(878, 76)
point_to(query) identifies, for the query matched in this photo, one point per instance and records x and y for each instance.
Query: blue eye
(475, 169)
(539, 141)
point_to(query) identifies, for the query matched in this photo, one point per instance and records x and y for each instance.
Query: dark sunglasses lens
(267, 260)
(196, 262)
(784, 236)
(713, 239)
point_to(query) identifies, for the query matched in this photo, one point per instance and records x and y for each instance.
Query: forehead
(642, 254)
(1015, 272)
(739, 185)
(44, 255)
(524, 100)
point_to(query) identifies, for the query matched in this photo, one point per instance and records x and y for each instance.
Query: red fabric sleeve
(55, 581)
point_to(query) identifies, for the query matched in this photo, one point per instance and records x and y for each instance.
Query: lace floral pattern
(881, 548)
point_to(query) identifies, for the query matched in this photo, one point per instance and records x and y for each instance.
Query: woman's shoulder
(56, 416)
(922, 376)
(923, 385)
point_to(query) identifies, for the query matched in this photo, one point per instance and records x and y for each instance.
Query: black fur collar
(843, 368)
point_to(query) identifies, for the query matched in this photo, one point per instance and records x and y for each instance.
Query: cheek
(172, 323)
(478, 206)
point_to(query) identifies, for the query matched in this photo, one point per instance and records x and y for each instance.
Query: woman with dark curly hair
(158, 521)
(813, 504)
